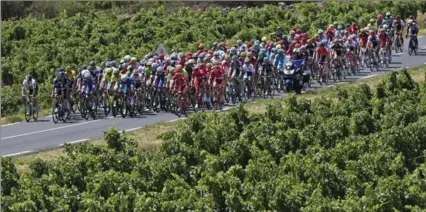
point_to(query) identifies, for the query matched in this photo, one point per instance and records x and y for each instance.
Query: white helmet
(410, 21)
(388, 14)
(86, 73)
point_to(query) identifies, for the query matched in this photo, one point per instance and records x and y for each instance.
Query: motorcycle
(293, 77)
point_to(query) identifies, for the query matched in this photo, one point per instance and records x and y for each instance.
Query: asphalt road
(22, 138)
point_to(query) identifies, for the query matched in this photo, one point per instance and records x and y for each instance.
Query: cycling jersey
(373, 40)
(31, 86)
(364, 38)
(383, 38)
(398, 25)
(217, 75)
(248, 70)
(338, 48)
(279, 61)
(412, 29)
(179, 80)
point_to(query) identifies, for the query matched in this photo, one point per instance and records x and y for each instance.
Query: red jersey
(383, 37)
(322, 51)
(197, 75)
(179, 80)
(217, 75)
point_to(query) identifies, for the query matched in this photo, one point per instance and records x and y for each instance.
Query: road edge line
(19, 154)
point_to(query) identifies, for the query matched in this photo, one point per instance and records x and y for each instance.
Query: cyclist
(330, 32)
(30, 84)
(398, 25)
(337, 51)
(379, 21)
(60, 87)
(106, 79)
(179, 81)
(321, 37)
(217, 76)
(373, 41)
(321, 53)
(389, 19)
(413, 30)
(247, 71)
(363, 37)
(412, 18)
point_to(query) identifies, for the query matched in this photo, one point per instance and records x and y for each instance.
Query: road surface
(22, 138)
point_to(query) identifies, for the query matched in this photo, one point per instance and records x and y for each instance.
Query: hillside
(362, 149)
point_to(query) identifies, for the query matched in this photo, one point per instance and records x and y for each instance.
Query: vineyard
(74, 39)
(362, 149)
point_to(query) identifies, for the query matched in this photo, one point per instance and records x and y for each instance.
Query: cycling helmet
(410, 17)
(191, 61)
(160, 69)
(288, 64)
(264, 39)
(108, 64)
(201, 46)
(297, 45)
(59, 70)
(113, 64)
(73, 73)
(29, 77)
(208, 65)
(127, 57)
(266, 59)
(161, 57)
(249, 54)
(280, 51)
(340, 27)
(385, 26)
(398, 17)
(92, 63)
(180, 55)
(239, 42)
(173, 56)
(278, 46)
(216, 53)
(309, 41)
(149, 64)
(154, 65)
(256, 46)
(410, 21)
(130, 67)
(382, 30)
(372, 33)
(372, 20)
(384, 22)
(320, 31)
(227, 57)
(292, 32)
(369, 26)
(178, 67)
(388, 14)
(108, 70)
(133, 59)
(86, 74)
(273, 50)
(243, 54)
(247, 60)
(233, 49)
(347, 25)
(235, 57)
(365, 29)
(216, 62)
(379, 16)
(296, 50)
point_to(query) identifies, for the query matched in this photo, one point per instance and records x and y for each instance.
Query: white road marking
(133, 129)
(173, 120)
(57, 128)
(366, 77)
(5, 125)
(420, 36)
(19, 153)
(78, 141)
(399, 53)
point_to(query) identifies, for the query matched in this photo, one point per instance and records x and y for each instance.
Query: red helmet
(372, 33)
(297, 37)
(379, 16)
(280, 42)
(297, 45)
(314, 39)
(161, 57)
(398, 17)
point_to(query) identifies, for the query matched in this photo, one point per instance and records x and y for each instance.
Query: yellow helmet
(264, 39)
(209, 65)
(227, 57)
(73, 73)
(215, 62)
(243, 54)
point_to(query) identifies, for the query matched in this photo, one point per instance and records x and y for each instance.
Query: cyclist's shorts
(322, 59)
(159, 83)
(138, 84)
(87, 89)
(107, 85)
(124, 88)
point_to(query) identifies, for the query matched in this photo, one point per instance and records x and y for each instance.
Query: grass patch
(148, 137)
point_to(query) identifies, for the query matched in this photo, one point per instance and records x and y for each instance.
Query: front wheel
(28, 111)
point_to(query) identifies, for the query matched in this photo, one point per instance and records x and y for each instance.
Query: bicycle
(412, 47)
(398, 42)
(59, 108)
(267, 89)
(31, 109)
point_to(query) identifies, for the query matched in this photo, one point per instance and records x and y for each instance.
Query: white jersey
(30, 85)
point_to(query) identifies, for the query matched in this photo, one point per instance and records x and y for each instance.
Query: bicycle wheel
(123, 108)
(35, 114)
(55, 114)
(28, 111)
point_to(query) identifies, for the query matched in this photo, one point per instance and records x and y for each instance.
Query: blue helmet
(29, 77)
